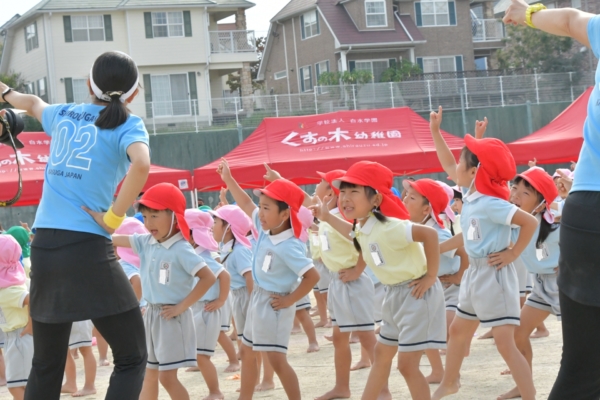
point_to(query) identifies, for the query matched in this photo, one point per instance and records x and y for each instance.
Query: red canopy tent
(297, 147)
(34, 157)
(558, 142)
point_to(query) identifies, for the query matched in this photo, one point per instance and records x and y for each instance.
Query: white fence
(232, 42)
(425, 95)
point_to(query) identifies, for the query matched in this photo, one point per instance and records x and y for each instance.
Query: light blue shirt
(129, 269)
(278, 260)
(85, 165)
(544, 259)
(485, 223)
(167, 269)
(586, 174)
(238, 262)
(213, 292)
(449, 262)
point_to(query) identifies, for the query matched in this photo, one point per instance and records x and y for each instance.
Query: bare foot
(511, 394)
(84, 392)
(313, 348)
(506, 372)
(328, 337)
(434, 378)
(232, 368)
(445, 390)
(540, 334)
(192, 369)
(487, 335)
(354, 340)
(385, 395)
(68, 388)
(103, 362)
(361, 364)
(335, 393)
(214, 396)
(264, 386)
(296, 330)
(321, 324)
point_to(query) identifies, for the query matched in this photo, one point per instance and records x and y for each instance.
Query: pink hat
(130, 226)
(237, 219)
(201, 224)
(565, 171)
(450, 192)
(306, 219)
(12, 272)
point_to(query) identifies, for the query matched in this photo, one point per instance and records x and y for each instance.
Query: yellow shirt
(337, 251)
(315, 245)
(27, 265)
(13, 314)
(389, 250)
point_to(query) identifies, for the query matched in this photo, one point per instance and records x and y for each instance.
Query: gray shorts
(267, 329)
(451, 297)
(413, 324)
(303, 303)
(378, 301)
(226, 314)
(488, 295)
(18, 355)
(239, 307)
(2, 338)
(522, 276)
(530, 281)
(325, 277)
(351, 305)
(544, 295)
(171, 343)
(207, 325)
(81, 334)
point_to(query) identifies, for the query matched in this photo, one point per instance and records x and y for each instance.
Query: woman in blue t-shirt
(75, 275)
(579, 275)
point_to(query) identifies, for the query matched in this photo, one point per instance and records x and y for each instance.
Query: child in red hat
(425, 201)
(279, 259)
(413, 308)
(489, 290)
(533, 191)
(168, 264)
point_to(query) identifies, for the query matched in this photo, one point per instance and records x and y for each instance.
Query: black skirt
(579, 263)
(75, 276)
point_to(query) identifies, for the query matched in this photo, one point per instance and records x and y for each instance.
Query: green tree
(400, 71)
(531, 48)
(357, 76)
(234, 81)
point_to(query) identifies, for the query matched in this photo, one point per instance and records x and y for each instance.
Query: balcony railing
(487, 30)
(232, 42)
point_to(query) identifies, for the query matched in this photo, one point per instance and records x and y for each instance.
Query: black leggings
(124, 333)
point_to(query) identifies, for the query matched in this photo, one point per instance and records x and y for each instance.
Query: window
(88, 28)
(551, 6)
(30, 88)
(439, 64)
(309, 23)
(435, 13)
(167, 24)
(41, 87)
(31, 37)
(375, 67)
(81, 93)
(376, 14)
(170, 95)
(306, 82)
(576, 4)
(280, 75)
(321, 67)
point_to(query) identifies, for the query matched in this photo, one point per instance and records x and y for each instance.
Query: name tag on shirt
(164, 273)
(474, 231)
(315, 241)
(324, 243)
(376, 254)
(267, 262)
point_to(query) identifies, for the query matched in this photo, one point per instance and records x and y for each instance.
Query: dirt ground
(481, 377)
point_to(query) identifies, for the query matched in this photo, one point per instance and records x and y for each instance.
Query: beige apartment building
(309, 37)
(180, 50)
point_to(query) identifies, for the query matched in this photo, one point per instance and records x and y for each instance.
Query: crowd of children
(404, 275)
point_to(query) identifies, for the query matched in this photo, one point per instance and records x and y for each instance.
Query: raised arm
(241, 198)
(443, 151)
(28, 102)
(272, 175)
(321, 211)
(561, 21)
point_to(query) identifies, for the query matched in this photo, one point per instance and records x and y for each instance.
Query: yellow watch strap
(532, 10)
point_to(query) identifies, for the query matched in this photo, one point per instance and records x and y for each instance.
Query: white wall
(32, 66)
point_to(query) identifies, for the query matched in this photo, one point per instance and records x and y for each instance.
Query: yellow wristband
(530, 11)
(112, 220)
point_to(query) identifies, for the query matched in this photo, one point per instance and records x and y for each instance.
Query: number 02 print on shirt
(70, 145)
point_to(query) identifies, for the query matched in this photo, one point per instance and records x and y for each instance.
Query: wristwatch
(530, 11)
(7, 91)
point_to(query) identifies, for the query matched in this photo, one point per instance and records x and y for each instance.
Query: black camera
(12, 125)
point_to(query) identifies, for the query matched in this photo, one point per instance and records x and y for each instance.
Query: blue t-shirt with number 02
(85, 165)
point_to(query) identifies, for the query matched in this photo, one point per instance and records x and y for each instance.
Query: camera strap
(6, 128)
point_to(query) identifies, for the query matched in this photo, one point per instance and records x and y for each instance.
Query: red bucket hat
(331, 176)
(290, 194)
(380, 178)
(434, 193)
(497, 166)
(166, 196)
(544, 184)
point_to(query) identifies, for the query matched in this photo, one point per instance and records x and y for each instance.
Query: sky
(257, 17)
